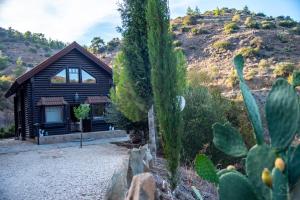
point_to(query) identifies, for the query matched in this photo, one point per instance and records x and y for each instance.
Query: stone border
(52, 139)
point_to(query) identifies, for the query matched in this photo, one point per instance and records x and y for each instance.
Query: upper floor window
(73, 75)
(86, 77)
(60, 77)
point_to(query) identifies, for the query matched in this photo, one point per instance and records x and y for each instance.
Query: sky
(78, 20)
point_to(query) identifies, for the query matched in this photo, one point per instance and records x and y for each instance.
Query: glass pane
(61, 77)
(86, 77)
(54, 114)
(98, 111)
(73, 75)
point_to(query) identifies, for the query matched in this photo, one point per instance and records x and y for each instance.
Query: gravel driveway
(52, 172)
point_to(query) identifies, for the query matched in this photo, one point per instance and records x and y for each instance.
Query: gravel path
(51, 172)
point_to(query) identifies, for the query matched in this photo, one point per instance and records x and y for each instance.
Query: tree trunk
(152, 132)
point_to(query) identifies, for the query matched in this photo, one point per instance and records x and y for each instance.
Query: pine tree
(189, 11)
(167, 78)
(197, 11)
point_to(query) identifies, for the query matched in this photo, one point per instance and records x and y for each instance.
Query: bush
(32, 50)
(287, 23)
(260, 14)
(232, 79)
(296, 30)
(251, 23)
(185, 29)
(263, 64)
(189, 20)
(236, 18)
(284, 69)
(7, 132)
(198, 78)
(204, 107)
(201, 112)
(177, 43)
(230, 27)
(250, 74)
(267, 25)
(3, 61)
(195, 31)
(203, 31)
(222, 44)
(283, 37)
(249, 51)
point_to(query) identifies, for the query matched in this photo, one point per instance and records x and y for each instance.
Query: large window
(73, 75)
(86, 77)
(98, 111)
(60, 77)
(54, 114)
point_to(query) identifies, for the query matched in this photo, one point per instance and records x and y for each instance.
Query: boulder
(119, 186)
(140, 161)
(142, 187)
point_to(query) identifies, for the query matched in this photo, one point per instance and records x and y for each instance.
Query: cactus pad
(235, 186)
(282, 113)
(258, 158)
(206, 169)
(294, 165)
(229, 140)
(280, 185)
(296, 78)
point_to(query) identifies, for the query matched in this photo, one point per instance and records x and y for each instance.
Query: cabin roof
(74, 45)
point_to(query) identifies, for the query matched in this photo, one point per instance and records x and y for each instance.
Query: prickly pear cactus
(258, 158)
(235, 186)
(283, 117)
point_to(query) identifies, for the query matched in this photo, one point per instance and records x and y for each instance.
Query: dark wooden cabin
(45, 96)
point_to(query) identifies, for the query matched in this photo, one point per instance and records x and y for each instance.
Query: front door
(74, 122)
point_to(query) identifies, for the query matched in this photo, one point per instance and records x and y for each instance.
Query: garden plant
(271, 170)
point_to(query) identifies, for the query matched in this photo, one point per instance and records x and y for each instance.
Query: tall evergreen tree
(167, 76)
(136, 58)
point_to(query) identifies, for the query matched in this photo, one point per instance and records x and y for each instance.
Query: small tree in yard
(168, 81)
(82, 112)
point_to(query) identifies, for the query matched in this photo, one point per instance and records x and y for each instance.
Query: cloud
(66, 20)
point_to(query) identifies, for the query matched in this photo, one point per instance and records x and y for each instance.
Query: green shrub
(296, 30)
(3, 61)
(236, 18)
(203, 31)
(287, 23)
(284, 69)
(177, 43)
(283, 37)
(199, 78)
(32, 50)
(222, 44)
(249, 51)
(250, 74)
(195, 31)
(189, 20)
(230, 27)
(263, 64)
(47, 55)
(251, 23)
(260, 14)
(267, 25)
(185, 29)
(204, 107)
(232, 79)
(7, 132)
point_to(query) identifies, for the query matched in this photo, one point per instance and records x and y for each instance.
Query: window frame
(66, 82)
(101, 118)
(68, 76)
(53, 123)
(81, 80)
(79, 75)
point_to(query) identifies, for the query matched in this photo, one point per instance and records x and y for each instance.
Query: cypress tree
(167, 77)
(135, 59)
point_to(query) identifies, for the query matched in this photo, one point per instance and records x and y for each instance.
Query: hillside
(18, 53)
(210, 41)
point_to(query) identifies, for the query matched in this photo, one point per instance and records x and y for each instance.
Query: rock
(140, 161)
(119, 185)
(142, 187)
